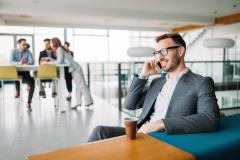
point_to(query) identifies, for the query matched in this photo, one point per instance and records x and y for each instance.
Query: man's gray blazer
(192, 108)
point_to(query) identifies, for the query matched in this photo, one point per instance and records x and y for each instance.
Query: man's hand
(23, 61)
(149, 68)
(152, 127)
(44, 62)
(47, 59)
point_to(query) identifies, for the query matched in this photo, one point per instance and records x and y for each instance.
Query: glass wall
(6, 44)
(98, 45)
(89, 45)
(224, 73)
(111, 81)
(105, 51)
(33, 35)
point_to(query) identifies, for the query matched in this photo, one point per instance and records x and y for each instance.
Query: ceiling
(161, 15)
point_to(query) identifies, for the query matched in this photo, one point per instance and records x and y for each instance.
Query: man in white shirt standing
(181, 102)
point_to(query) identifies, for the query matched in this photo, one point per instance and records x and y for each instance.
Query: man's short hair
(177, 38)
(21, 39)
(67, 43)
(47, 40)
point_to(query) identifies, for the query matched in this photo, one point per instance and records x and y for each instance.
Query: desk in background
(62, 90)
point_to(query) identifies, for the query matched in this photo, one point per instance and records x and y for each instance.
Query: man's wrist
(142, 76)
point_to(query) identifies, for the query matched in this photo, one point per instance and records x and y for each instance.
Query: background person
(76, 71)
(46, 55)
(82, 89)
(68, 76)
(58, 52)
(22, 56)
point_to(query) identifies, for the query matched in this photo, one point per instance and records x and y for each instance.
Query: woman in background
(75, 69)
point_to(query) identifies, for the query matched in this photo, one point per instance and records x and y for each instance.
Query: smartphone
(158, 66)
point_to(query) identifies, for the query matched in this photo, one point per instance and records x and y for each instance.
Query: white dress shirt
(164, 97)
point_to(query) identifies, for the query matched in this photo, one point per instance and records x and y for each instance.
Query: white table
(62, 87)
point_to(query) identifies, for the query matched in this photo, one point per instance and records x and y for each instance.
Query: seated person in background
(68, 76)
(22, 56)
(28, 46)
(47, 52)
(57, 51)
(67, 49)
(46, 55)
(181, 102)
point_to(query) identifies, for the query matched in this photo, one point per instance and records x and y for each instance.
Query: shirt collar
(19, 50)
(179, 75)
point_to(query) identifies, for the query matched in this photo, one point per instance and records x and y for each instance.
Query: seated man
(22, 56)
(181, 102)
(46, 55)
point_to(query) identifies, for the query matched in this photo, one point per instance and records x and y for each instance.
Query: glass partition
(111, 81)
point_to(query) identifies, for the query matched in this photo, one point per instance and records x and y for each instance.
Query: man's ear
(181, 51)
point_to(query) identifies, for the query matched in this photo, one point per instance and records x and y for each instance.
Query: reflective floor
(46, 129)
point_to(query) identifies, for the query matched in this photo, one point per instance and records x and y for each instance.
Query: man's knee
(98, 130)
(104, 132)
(96, 134)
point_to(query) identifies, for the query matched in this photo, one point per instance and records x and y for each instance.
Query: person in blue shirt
(22, 56)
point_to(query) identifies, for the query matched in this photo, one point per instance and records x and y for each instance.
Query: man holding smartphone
(180, 102)
(22, 56)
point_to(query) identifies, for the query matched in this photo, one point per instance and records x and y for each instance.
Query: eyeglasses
(164, 51)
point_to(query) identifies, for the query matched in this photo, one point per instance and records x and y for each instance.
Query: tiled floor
(48, 129)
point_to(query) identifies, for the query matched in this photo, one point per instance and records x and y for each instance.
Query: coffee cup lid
(131, 119)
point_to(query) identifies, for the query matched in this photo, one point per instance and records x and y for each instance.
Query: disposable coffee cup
(131, 127)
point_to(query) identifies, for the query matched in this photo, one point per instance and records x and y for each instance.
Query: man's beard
(173, 65)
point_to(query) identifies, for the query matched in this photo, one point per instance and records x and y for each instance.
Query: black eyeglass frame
(164, 51)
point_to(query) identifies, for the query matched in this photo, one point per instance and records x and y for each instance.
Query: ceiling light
(218, 43)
